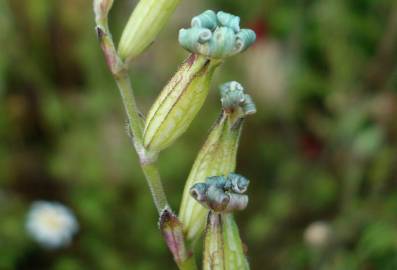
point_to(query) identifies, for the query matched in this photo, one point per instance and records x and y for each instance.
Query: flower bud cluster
(233, 96)
(216, 35)
(222, 193)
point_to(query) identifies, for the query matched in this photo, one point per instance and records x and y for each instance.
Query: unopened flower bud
(248, 105)
(226, 37)
(207, 19)
(222, 193)
(236, 183)
(232, 97)
(217, 199)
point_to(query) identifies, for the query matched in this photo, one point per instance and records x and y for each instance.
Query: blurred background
(321, 152)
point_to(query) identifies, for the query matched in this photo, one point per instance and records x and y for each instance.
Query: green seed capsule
(179, 102)
(235, 258)
(223, 249)
(213, 257)
(146, 21)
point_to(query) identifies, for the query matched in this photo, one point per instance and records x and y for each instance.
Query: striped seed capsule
(223, 248)
(146, 21)
(179, 102)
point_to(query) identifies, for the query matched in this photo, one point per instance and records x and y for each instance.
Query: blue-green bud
(207, 19)
(233, 96)
(245, 38)
(248, 105)
(222, 193)
(236, 183)
(229, 20)
(227, 38)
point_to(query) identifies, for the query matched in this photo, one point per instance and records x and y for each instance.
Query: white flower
(318, 234)
(51, 224)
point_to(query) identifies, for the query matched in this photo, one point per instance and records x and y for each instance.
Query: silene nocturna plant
(213, 190)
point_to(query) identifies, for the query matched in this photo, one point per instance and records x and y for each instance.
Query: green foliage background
(322, 147)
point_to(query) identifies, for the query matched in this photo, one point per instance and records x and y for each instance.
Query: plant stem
(156, 187)
(147, 159)
(135, 121)
(136, 127)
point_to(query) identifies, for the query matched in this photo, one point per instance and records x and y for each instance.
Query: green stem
(136, 126)
(146, 158)
(156, 187)
(135, 121)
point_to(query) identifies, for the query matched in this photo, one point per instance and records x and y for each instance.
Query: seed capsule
(146, 21)
(178, 103)
(223, 248)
